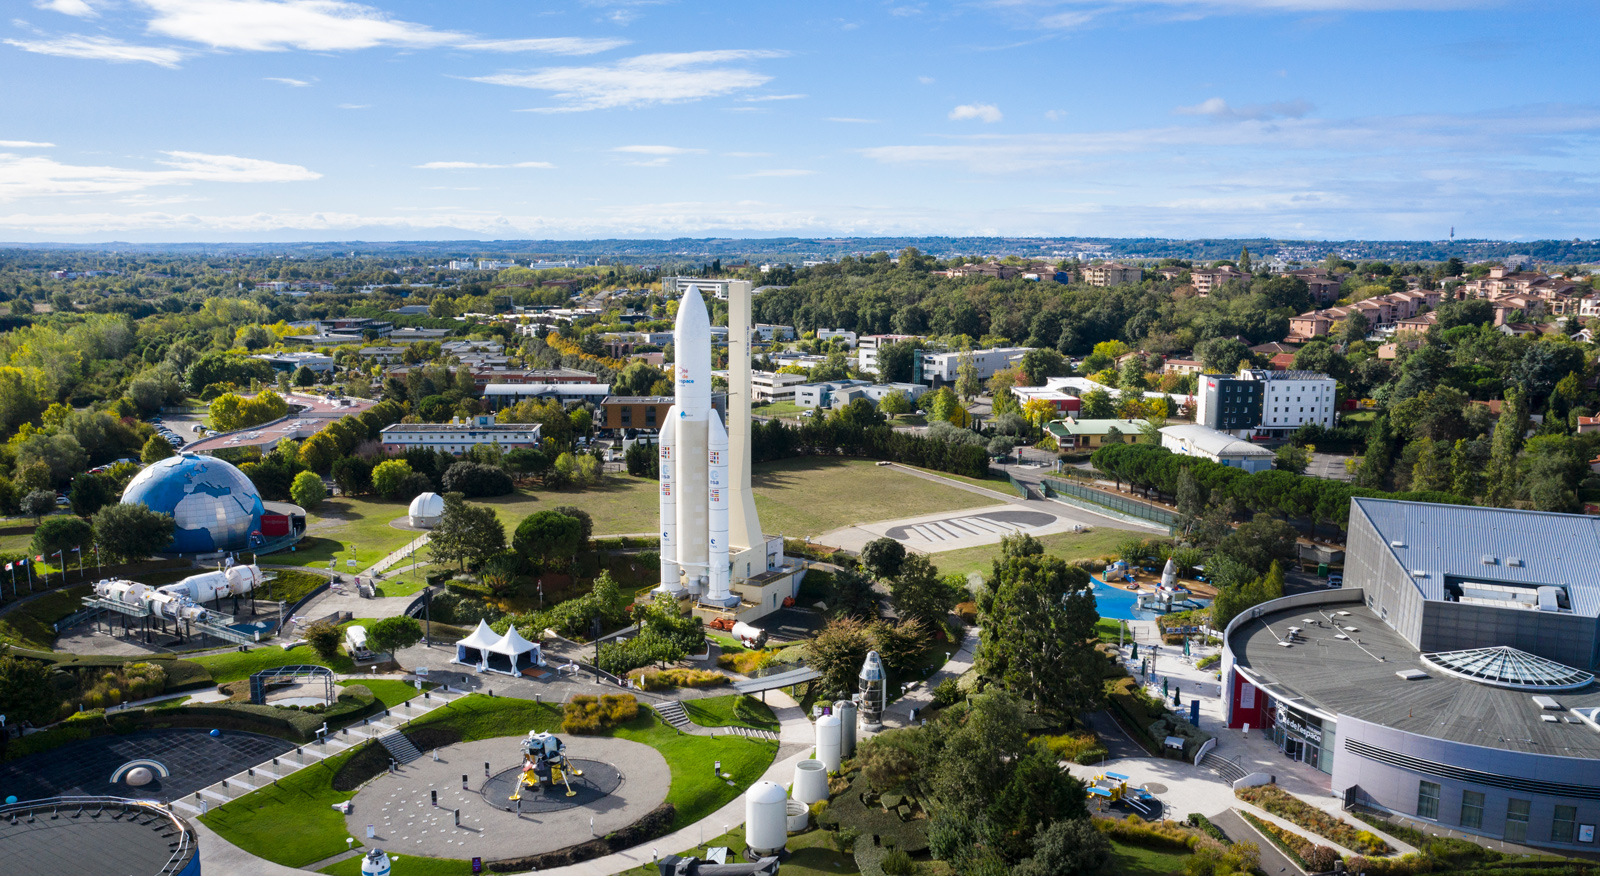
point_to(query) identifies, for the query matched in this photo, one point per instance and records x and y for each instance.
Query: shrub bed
(661, 679)
(585, 715)
(1296, 811)
(1290, 844)
(1079, 748)
(1150, 834)
(355, 702)
(1210, 829)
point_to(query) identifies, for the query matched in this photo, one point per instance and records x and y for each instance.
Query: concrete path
(920, 697)
(1273, 861)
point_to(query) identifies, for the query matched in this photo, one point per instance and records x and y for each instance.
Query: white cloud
(1066, 20)
(27, 177)
(1217, 108)
(987, 112)
(25, 144)
(326, 25)
(766, 97)
(779, 172)
(656, 150)
(101, 49)
(1294, 5)
(295, 83)
(354, 106)
(925, 80)
(1055, 115)
(473, 165)
(672, 77)
(76, 8)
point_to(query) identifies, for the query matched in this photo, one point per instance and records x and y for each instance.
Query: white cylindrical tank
(828, 742)
(243, 579)
(202, 587)
(766, 818)
(799, 815)
(665, 451)
(749, 636)
(810, 781)
(718, 497)
(167, 605)
(846, 710)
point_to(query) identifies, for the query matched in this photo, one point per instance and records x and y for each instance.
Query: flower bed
(1296, 811)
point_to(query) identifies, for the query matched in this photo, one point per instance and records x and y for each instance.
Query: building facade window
(1563, 829)
(1517, 820)
(1472, 810)
(1428, 800)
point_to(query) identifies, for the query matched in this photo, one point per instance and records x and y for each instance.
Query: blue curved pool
(1119, 604)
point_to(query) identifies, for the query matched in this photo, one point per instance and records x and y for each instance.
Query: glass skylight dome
(1508, 668)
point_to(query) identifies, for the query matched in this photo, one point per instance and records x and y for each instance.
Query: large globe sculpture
(214, 504)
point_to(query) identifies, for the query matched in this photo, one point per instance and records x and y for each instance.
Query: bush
(1134, 830)
(1210, 829)
(661, 679)
(1321, 859)
(1296, 811)
(1080, 748)
(586, 715)
(898, 863)
(968, 612)
(476, 480)
(1209, 661)
(948, 693)
(308, 490)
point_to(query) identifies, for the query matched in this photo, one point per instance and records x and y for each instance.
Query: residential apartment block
(1112, 274)
(458, 436)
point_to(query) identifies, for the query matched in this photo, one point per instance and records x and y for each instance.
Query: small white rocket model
(696, 493)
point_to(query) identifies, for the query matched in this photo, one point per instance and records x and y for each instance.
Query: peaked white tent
(512, 654)
(474, 650)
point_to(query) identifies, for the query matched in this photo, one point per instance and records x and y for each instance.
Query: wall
(1451, 626)
(1349, 593)
(1390, 590)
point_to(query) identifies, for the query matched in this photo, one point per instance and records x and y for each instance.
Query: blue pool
(1118, 604)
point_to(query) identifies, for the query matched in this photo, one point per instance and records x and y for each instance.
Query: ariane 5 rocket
(696, 493)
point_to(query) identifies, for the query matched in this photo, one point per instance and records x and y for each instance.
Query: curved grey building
(1451, 680)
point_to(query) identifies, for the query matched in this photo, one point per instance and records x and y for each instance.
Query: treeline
(1201, 483)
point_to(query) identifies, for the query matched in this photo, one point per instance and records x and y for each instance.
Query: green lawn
(999, 484)
(238, 665)
(1109, 630)
(621, 504)
(294, 823)
(719, 712)
(778, 409)
(1067, 545)
(348, 528)
(411, 865)
(1129, 860)
(810, 854)
(29, 624)
(390, 692)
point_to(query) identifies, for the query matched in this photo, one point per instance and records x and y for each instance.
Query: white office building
(1291, 399)
(939, 369)
(771, 386)
(459, 436)
(673, 287)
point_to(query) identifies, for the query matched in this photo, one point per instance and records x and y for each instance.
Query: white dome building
(426, 510)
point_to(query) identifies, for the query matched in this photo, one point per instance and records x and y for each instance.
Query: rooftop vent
(1412, 674)
(1547, 703)
(1551, 719)
(1342, 636)
(1418, 573)
(1397, 544)
(1490, 561)
(1514, 561)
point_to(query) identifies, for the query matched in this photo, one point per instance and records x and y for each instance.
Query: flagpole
(29, 564)
(13, 570)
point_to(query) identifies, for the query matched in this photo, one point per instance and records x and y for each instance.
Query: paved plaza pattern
(399, 805)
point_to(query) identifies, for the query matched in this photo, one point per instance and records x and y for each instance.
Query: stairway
(400, 748)
(1227, 769)
(672, 712)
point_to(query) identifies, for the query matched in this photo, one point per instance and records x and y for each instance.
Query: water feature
(1119, 604)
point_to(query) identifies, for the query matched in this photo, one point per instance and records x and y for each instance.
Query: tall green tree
(1244, 261)
(1039, 622)
(1379, 456)
(1501, 478)
(918, 591)
(467, 534)
(132, 532)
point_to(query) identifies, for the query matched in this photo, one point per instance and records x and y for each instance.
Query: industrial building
(459, 436)
(1450, 679)
(1219, 447)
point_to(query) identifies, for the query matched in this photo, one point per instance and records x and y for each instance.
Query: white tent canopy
(511, 654)
(474, 650)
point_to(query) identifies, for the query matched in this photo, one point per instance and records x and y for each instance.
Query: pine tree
(1501, 476)
(1465, 479)
(1244, 260)
(1375, 464)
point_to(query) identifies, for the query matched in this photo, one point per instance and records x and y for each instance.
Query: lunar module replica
(545, 753)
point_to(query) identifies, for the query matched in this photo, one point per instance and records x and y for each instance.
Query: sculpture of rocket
(696, 492)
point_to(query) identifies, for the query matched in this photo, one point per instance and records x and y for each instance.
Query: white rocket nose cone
(693, 322)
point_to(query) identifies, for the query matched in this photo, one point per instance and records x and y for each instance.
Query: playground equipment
(546, 753)
(1113, 788)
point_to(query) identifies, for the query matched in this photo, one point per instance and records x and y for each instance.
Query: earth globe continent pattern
(215, 506)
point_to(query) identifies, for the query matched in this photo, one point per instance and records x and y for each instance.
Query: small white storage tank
(846, 710)
(810, 781)
(426, 510)
(766, 818)
(828, 742)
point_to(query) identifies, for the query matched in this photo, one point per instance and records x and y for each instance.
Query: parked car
(1335, 581)
(63, 502)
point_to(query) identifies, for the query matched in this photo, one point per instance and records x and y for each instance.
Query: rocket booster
(666, 450)
(719, 501)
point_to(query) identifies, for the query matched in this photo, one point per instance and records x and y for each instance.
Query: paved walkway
(920, 697)
(1273, 860)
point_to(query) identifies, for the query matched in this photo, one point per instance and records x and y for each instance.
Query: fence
(1019, 486)
(1107, 503)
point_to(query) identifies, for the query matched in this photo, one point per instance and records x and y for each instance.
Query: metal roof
(1495, 545)
(1214, 442)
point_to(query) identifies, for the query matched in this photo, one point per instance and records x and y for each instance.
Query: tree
(26, 694)
(894, 404)
(132, 532)
(308, 490)
(1221, 355)
(1001, 445)
(850, 594)
(393, 634)
(61, 534)
(61, 452)
(968, 385)
(918, 591)
(304, 376)
(548, 537)
(1293, 459)
(38, 503)
(1244, 261)
(475, 480)
(324, 638)
(883, 557)
(1042, 363)
(897, 361)
(467, 533)
(837, 653)
(156, 449)
(1096, 404)
(1355, 328)
(1379, 456)
(1132, 374)
(90, 493)
(353, 474)
(1039, 621)
(1072, 846)
(320, 451)
(643, 460)
(389, 476)
(1501, 479)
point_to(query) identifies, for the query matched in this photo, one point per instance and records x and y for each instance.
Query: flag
(78, 549)
(39, 558)
(8, 567)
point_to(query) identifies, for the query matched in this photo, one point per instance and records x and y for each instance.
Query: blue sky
(169, 120)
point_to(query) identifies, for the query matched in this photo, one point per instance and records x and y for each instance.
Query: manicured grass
(291, 822)
(238, 665)
(719, 712)
(342, 523)
(999, 483)
(1129, 860)
(19, 543)
(390, 692)
(411, 865)
(621, 504)
(1067, 545)
(778, 409)
(812, 495)
(29, 625)
(695, 792)
(1109, 630)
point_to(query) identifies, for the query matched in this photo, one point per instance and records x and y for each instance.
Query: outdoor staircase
(1227, 769)
(400, 748)
(673, 713)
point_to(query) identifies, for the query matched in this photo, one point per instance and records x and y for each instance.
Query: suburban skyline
(246, 120)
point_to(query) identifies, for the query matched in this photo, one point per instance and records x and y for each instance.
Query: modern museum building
(1450, 679)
